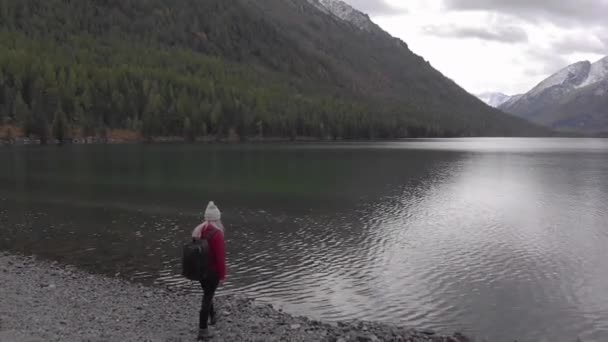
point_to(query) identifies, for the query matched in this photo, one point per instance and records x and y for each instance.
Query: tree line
(53, 91)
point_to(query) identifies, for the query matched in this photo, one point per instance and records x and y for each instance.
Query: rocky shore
(45, 301)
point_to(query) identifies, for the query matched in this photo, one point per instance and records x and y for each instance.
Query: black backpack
(196, 258)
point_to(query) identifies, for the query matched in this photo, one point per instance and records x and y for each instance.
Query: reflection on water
(501, 238)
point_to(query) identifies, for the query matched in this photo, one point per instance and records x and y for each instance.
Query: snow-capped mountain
(345, 12)
(598, 72)
(574, 98)
(577, 75)
(494, 99)
(571, 77)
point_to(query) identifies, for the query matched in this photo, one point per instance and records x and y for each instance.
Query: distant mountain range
(575, 99)
(494, 99)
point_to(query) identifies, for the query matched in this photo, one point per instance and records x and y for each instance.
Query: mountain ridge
(573, 99)
(347, 13)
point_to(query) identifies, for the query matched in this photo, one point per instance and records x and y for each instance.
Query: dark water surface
(503, 239)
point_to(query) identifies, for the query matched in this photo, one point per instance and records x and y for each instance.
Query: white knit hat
(212, 213)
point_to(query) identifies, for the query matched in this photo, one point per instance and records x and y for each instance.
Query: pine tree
(60, 126)
(188, 131)
(216, 117)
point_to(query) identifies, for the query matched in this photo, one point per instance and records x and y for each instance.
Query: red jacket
(218, 249)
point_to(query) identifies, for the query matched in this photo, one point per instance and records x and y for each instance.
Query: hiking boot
(204, 335)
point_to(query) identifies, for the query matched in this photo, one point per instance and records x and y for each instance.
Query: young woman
(213, 230)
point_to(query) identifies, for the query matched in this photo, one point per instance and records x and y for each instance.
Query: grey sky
(574, 11)
(547, 62)
(496, 45)
(581, 43)
(507, 34)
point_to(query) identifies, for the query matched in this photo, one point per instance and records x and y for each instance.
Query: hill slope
(573, 99)
(219, 67)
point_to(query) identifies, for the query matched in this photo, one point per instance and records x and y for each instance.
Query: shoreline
(128, 137)
(46, 301)
(263, 141)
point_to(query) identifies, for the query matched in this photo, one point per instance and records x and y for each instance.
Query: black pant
(209, 286)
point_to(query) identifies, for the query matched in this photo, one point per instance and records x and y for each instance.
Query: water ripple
(498, 240)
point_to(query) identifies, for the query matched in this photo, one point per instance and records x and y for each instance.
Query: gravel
(45, 301)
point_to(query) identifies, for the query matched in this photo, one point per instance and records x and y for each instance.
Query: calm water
(503, 239)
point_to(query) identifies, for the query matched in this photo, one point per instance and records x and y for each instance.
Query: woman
(213, 230)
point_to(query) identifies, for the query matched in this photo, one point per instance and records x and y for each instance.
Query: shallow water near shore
(501, 239)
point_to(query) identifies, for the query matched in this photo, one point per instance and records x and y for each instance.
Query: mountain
(224, 68)
(347, 13)
(511, 100)
(494, 99)
(573, 99)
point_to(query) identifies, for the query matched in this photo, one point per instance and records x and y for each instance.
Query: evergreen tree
(60, 126)
(188, 131)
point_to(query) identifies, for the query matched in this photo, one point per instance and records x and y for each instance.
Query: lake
(502, 239)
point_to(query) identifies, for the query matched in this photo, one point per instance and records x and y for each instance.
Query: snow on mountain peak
(494, 99)
(573, 75)
(577, 75)
(345, 12)
(560, 84)
(598, 72)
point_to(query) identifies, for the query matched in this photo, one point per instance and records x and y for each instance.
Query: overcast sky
(496, 45)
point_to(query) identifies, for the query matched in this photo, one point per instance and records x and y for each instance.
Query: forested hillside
(192, 68)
